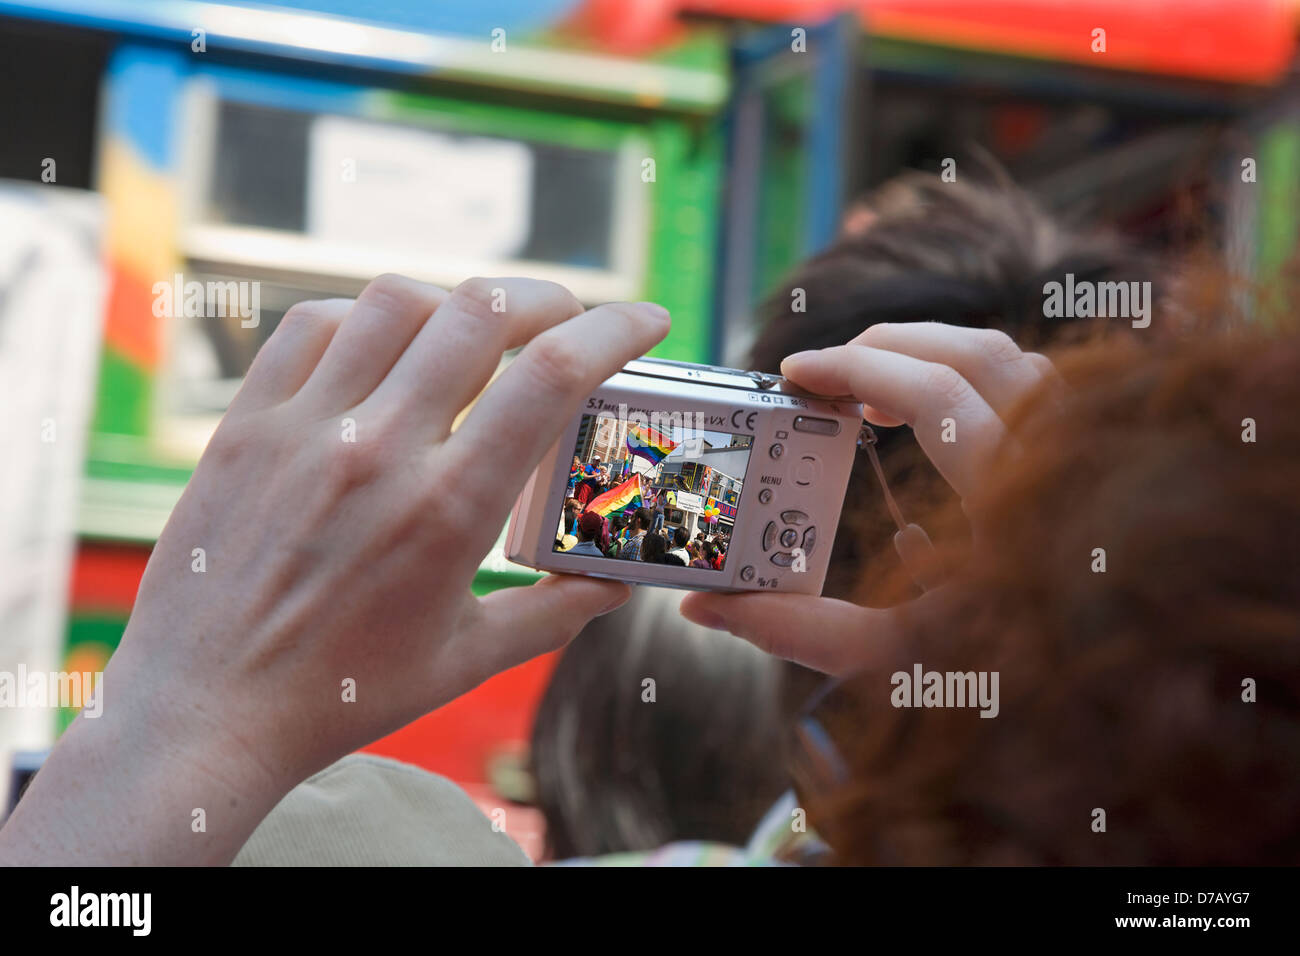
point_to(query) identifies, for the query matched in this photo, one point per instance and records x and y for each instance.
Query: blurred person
(613, 535)
(653, 549)
(590, 527)
(680, 540)
(637, 528)
(570, 519)
(704, 556)
(615, 774)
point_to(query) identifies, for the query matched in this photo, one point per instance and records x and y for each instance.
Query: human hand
(921, 374)
(311, 591)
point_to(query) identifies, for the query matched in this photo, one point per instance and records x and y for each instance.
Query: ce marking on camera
(748, 419)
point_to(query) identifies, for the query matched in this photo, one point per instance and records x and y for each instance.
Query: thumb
(834, 637)
(517, 624)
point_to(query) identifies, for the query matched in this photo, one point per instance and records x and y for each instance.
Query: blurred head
(614, 772)
(643, 518)
(680, 537)
(654, 549)
(590, 525)
(1163, 690)
(964, 253)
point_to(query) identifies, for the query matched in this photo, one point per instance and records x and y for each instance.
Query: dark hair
(645, 518)
(966, 253)
(653, 549)
(680, 536)
(615, 773)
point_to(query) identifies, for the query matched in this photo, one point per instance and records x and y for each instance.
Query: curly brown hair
(1164, 690)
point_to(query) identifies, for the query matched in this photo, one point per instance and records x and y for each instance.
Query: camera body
(745, 467)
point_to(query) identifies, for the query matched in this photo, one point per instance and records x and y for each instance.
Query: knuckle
(360, 450)
(561, 294)
(304, 315)
(996, 346)
(475, 297)
(554, 362)
(390, 290)
(229, 444)
(873, 335)
(944, 382)
(301, 313)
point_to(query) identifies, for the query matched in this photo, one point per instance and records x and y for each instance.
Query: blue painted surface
(475, 18)
(455, 17)
(832, 74)
(174, 20)
(144, 84)
(283, 90)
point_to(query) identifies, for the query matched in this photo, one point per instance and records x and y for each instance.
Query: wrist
(158, 778)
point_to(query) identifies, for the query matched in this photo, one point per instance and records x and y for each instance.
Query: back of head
(653, 550)
(653, 730)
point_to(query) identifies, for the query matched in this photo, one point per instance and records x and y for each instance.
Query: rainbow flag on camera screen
(619, 498)
(651, 445)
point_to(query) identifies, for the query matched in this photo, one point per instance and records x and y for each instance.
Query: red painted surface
(1243, 41)
(457, 740)
(129, 325)
(106, 577)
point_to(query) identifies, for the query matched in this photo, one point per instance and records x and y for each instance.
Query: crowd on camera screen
(635, 533)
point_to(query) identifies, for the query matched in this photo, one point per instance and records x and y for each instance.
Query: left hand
(919, 374)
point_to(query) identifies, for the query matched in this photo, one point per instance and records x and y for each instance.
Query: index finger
(526, 409)
(958, 430)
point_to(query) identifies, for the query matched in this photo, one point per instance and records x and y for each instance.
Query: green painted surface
(782, 213)
(92, 633)
(1278, 177)
(683, 233)
(123, 396)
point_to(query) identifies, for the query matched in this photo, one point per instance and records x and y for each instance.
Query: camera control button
(793, 517)
(777, 450)
(765, 496)
(818, 426)
(783, 559)
(769, 536)
(788, 538)
(747, 573)
(807, 470)
(809, 540)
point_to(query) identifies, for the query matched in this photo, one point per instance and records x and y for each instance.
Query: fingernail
(801, 356)
(655, 309)
(615, 604)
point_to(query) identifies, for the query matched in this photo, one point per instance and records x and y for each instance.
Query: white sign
(418, 191)
(689, 502)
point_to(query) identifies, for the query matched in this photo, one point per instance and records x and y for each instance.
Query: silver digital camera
(739, 475)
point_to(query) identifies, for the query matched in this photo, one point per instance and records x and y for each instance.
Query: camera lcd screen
(658, 488)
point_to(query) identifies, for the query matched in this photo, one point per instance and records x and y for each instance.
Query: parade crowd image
(636, 494)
